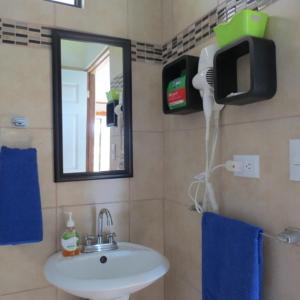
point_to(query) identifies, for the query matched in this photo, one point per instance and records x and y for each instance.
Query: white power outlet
(250, 166)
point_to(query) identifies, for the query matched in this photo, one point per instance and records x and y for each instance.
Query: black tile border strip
(117, 82)
(202, 29)
(35, 35)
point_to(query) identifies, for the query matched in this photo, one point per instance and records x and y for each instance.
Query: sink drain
(103, 259)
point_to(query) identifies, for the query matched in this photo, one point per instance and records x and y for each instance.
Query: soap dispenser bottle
(70, 240)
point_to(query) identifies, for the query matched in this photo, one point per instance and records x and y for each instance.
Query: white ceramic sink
(127, 270)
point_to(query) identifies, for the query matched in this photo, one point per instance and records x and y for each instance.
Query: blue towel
(231, 259)
(20, 205)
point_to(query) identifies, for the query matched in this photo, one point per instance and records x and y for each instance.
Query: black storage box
(263, 82)
(188, 64)
(111, 117)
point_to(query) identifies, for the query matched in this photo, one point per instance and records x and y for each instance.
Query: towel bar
(289, 235)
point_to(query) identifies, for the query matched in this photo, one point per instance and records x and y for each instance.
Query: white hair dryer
(204, 82)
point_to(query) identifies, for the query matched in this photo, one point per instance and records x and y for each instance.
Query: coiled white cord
(200, 179)
(208, 201)
(193, 190)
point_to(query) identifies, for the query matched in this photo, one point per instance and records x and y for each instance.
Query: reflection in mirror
(92, 109)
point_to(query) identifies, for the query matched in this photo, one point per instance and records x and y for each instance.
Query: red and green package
(176, 93)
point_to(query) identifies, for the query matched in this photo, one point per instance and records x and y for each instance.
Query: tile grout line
(178, 203)
(103, 203)
(234, 124)
(26, 291)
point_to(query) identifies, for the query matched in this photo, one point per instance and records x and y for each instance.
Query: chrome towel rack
(289, 235)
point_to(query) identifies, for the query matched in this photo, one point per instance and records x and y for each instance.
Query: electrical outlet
(249, 166)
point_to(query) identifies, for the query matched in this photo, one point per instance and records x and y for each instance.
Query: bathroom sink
(107, 275)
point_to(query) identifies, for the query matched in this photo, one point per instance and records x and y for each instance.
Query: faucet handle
(111, 237)
(88, 239)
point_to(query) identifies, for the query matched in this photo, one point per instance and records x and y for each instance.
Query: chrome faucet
(109, 222)
(105, 240)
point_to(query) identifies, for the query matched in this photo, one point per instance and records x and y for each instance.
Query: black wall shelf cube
(111, 117)
(263, 79)
(189, 64)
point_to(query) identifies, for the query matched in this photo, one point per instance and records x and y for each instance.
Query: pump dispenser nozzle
(70, 221)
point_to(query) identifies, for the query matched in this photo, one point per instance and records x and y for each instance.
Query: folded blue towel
(231, 259)
(20, 205)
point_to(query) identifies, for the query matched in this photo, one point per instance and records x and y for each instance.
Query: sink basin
(107, 275)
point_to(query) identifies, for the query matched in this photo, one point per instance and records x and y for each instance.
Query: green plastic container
(113, 95)
(246, 22)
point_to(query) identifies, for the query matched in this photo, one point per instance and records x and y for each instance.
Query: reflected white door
(74, 115)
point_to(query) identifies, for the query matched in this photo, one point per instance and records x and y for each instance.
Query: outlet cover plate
(250, 166)
(295, 160)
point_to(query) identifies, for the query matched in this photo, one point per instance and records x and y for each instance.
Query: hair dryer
(204, 82)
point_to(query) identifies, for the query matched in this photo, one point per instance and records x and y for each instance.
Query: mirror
(92, 106)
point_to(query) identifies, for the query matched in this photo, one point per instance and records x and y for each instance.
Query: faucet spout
(105, 239)
(104, 212)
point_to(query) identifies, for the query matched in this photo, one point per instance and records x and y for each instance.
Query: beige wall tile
(61, 295)
(184, 158)
(177, 289)
(260, 200)
(271, 201)
(104, 17)
(184, 122)
(28, 71)
(92, 191)
(147, 182)
(147, 98)
(146, 223)
(45, 294)
(167, 20)
(41, 139)
(25, 262)
(282, 263)
(187, 12)
(153, 292)
(144, 20)
(182, 243)
(32, 11)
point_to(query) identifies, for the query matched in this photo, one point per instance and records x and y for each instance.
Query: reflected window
(76, 3)
(99, 139)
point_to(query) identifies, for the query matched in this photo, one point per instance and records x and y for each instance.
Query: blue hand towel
(231, 259)
(20, 205)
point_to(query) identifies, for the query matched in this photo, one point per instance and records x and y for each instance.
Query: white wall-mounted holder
(19, 122)
(294, 151)
(16, 138)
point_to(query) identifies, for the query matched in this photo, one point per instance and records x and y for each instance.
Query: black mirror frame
(59, 176)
